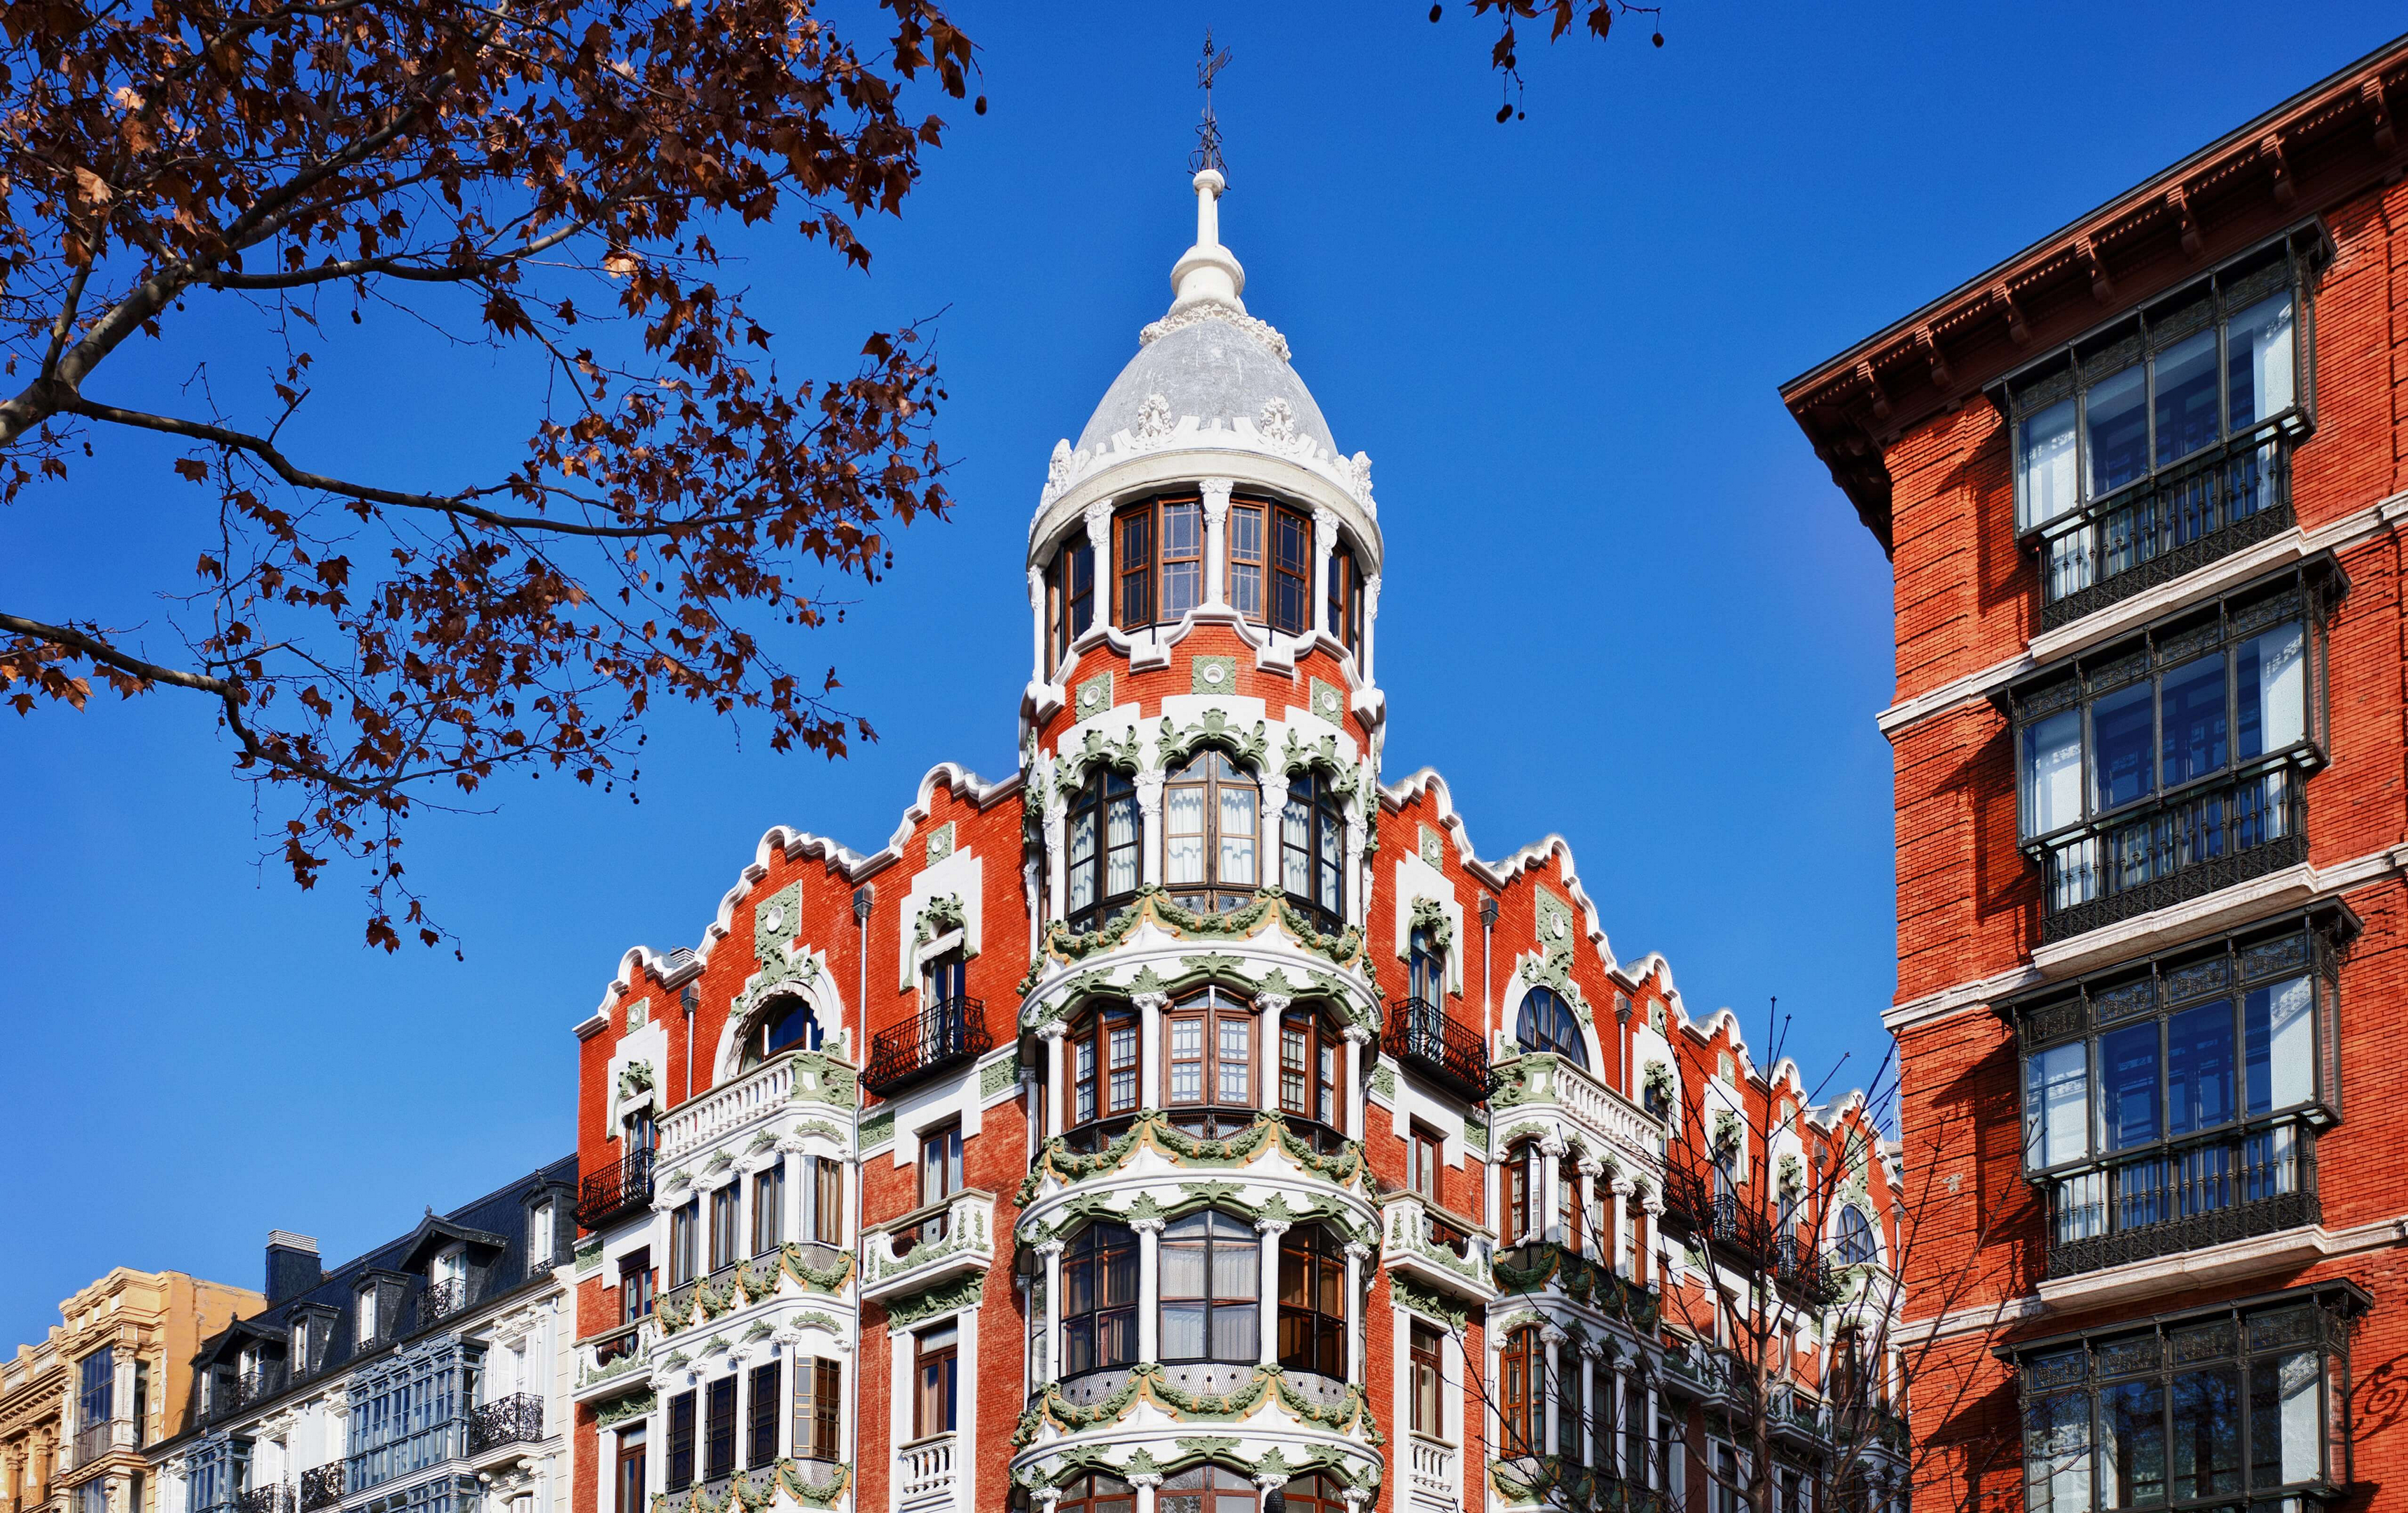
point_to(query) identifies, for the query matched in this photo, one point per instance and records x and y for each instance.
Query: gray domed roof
(1213, 369)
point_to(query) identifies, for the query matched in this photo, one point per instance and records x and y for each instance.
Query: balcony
(1535, 1081)
(611, 1361)
(321, 1488)
(1736, 1230)
(951, 1034)
(94, 1440)
(2180, 847)
(1421, 1037)
(2183, 519)
(1431, 1480)
(243, 1390)
(441, 1300)
(1436, 1248)
(276, 1497)
(516, 1419)
(929, 1245)
(1802, 1275)
(755, 1097)
(605, 1195)
(2236, 1185)
(928, 1473)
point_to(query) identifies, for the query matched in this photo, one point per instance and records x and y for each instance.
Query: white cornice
(2292, 546)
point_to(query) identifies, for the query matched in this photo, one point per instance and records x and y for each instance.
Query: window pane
(1183, 827)
(2281, 1045)
(1082, 855)
(2273, 676)
(2283, 1420)
(2057, 1107)
(2045, 457)
(2198, 1068)
(2193, 719)
(2053, 773)
(2187, 398)
(1235, 1060)
(1238, 835)
(2258, 364)
(1182, 1329)
(2120, 741)
(1182, 568)
(1236, 1271)
(2119, 429)
(2132, 1444)
(1182, 1269)
(2207, 1433)
(2056, 1455)
(2128, 1100)
(1234, 1335)
(1121, 865)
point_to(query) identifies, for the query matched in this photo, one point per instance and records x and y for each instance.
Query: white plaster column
(1057, 1116)
(1651, 1253)
(793, 1206)
(1216, 552)
(1589, 1169)
(1356, 1254)
(1552, 1336)
(1052, 1252)
(1370, 621)
(1492, 1423)
(1621, 1188)
(1551, 1156)
(1659, 1474)
(1149, 832)
(1267, 1318)
(1149, 1287)
(1356, 1035)
(1145, 1482)
(1148, 1054)
(1037, 620)
(1055, 825)
(1590, 1351)
(1324, 542)
(1099, 543)
(1269, 1482)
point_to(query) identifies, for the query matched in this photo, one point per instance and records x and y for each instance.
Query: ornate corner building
(1191, 1122)
(2142, 491)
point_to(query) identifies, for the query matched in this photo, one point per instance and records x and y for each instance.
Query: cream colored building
(77, 1409)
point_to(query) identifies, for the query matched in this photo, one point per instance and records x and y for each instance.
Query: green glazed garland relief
(1148, 1380)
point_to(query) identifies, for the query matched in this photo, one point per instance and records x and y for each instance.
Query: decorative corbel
(1930, 343)
(2270, 147)
(1872, 386)
(2102, 288)
(2384, 138)
(2017, 329)
(2179, 202)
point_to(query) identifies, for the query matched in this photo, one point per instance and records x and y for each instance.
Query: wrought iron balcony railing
(1802, 1273)
(2187, 517)
(2233, 1184)
(321, 1487)
(516, 1419)
(443, 1299)
(1421, 1035)
(951, 1034)
(604, 1195)
(1731, 1224)
(276, 1497)
(2183, 845)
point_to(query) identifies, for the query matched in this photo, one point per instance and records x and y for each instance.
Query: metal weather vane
(1208, 136)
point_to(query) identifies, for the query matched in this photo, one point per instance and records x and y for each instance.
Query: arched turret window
(1097, 1493)
(1099, 1299)
(1858, 1246)
(1211, 832)
(1547, 1023)
(1313, 847)
(1211, 1284)
(1316, 1493)
(1312, 1049)
(1069, 599)
(788, 1024)
(1208, 1063)
(1313, 1301)
(1522, 1380)
(1346, 598)
(1103, 1064)
(1102, 848)
(1206, 1488)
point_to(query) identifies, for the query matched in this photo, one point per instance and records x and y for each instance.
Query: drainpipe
(862, 898)
(1487, 925)
(689, 999)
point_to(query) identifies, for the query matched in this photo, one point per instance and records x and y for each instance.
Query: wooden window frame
(827, 1200)
(763, 1410)
(1095, 1069)
(1522, 1392)
(1099, 1247)
(1288, 578)
(945, 1361)
(1425, 1159)
(1517, 1183)
(1089, 1493)
(726, 1224)
(819, 1409)
(678, 1471)
(1211, 1008)
(769, 1207)
(719, 1428)
(1311, 1337)
(1345, 598)
(1069, 599)
(1106, 788)
(1214, 1305)
(1311, 797)
(636, 1286)
(1214, 770)
(629, 1487)
(1426, 1379)
(1316, 1034)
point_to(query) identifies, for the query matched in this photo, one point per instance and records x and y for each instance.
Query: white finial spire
(1207, 271)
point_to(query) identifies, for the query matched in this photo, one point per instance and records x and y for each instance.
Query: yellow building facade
(77, 1409)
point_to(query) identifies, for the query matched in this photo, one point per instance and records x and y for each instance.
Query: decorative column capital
(1270, 1481)
(1554, 1143)
(1592, 1166)
(1553, 1334)
(1147, 1225)
(1099, 517)
(1357, 1250)
(1149, 1002)
(1052, 1249)
(1139, 1479)
(1216, 504)
(1623, 1187)
(1270, 1228)
(1272, 1005)
(1651, 1205)
(1052, 1029)
(1358, 1034)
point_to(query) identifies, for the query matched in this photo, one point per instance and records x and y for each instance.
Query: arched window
(1316, 1494)
(1313, 1301)
(1103, 847)
(1548, 1024)
(1311, 1048)
(1313, 847)
(1428, 969)
(1103, 1065)
(1099, 1299)
(1206, 1489)
(1858, 1246)
(1212, 824)
(1097, 1493)
(1523, 1382)
(1211, 1282)
(789, 1025)
(1069, 598)
(1210, 1064)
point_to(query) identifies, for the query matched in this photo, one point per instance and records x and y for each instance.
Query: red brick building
(2141, 487)
(1189, 1118)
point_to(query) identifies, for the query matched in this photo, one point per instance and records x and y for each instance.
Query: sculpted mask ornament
(1154, 417)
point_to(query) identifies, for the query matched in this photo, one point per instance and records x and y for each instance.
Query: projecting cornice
(2306, 156)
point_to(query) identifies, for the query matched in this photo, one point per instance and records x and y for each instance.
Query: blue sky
(1622, 601)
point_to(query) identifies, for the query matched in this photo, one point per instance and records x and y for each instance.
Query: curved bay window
(1518, 1178)
(1346, 598)
(787, 1025)
(1210, 1285)
(1157, 561)
(1208, 1066)
(1313, 847)
(1103, 1065)
(1313, 1301)
(2244, 1400)
(1312, 1049)
(1522, 1392)
(1097, 1493)
(2174, 762)
(1547, 1023)
(1270, 565)
(1069, 599)
(1206, 1488)
(1211, 829)
(1102, 848)
(1316, 1494)
(1099, 1300)
(2177, 1104)
(2163, 442)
